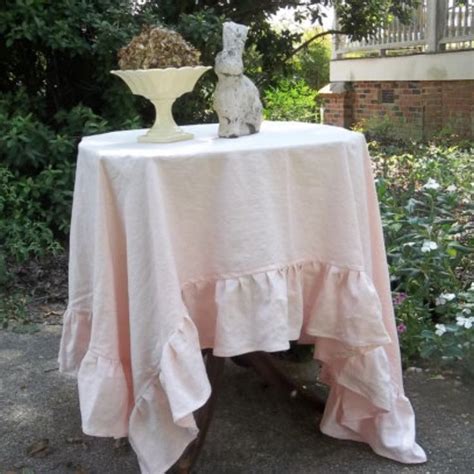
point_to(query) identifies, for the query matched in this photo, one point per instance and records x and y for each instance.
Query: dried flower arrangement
(157, 47)
(161, 66)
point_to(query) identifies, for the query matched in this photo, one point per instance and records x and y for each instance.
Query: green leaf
(452, 252)
(427, 351)
(460, 248)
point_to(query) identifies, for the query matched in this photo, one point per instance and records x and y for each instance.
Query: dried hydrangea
(157, 48)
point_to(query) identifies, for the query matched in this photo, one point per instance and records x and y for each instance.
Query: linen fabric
(236, 245)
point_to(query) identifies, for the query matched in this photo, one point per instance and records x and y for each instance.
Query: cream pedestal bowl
(162, 87)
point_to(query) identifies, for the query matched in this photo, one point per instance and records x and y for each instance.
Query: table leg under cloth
(203, 416)
(265, 366)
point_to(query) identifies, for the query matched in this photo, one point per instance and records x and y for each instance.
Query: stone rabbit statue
(236, 99)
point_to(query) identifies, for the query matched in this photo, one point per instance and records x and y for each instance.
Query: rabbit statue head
(229, 60)
(236, 99)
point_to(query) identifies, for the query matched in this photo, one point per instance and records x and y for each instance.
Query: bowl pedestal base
(157, 136)
(164, 130)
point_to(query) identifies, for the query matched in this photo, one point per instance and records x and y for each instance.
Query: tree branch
(261, 9)
(310, 40)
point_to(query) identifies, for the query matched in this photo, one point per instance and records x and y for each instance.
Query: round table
(235, 245)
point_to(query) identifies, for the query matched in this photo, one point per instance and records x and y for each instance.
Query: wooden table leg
(265, 365)
(203, 416)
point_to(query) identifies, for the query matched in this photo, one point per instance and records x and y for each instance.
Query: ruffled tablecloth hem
(337, 307)
(390, 434)
(75, 340)
(160, 422)
(263, 310)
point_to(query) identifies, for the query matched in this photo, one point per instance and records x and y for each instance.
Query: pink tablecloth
(239, 245)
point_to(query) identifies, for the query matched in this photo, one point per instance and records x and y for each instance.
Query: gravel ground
(253, 431)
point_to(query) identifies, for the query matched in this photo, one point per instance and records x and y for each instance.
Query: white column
(436, 21)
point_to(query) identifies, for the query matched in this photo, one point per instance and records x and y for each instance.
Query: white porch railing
(436, 25)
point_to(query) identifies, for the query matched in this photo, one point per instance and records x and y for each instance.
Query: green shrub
(37, 176)
(312, 63)
(32, 209)
(389, 130)
(28, 143)
(290, 100)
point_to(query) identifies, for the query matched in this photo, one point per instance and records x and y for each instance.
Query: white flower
(465, 322)
(451, 188)
(428, 246)
(440, 329)
(431, 184)
(443, 298)
(409, 244)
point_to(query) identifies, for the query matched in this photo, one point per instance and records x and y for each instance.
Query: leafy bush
(290, 100)
(312, 63)
(27, 144)
(36, 177)
(389, 130)
(294, 95)
(34, 211)
(425, 193)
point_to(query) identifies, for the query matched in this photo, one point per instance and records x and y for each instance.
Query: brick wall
(420, 108)
(340, 111)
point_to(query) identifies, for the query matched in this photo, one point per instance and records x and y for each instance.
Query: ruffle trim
(391, 433)
(104, 395)
(365, 405)
(336, 308)
(75, 340)
(160, 423)
(263, 311)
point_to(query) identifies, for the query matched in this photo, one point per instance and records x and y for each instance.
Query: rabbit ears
(234, 35)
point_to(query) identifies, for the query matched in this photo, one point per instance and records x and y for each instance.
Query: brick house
(418, 76)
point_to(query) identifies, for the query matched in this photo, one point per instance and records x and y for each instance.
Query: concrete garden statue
(236, 99)
(160, 65)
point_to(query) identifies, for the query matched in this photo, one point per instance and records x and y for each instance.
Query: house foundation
(418, 108)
